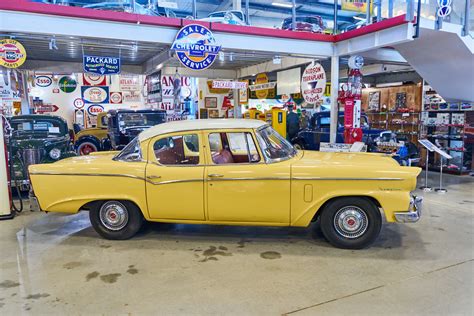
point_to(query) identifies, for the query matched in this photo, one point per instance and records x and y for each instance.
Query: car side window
(177, 150)
(233, 147)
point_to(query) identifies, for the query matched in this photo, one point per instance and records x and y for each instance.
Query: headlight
(55, 154)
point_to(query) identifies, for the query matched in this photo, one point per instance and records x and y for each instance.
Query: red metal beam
(124, 17)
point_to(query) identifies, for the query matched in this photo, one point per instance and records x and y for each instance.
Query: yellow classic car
(92, 139)
(229, 172)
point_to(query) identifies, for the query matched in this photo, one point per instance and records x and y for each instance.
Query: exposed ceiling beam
(269, 66)
(151, 64)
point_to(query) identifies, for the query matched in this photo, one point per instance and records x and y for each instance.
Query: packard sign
(195, 47)
(313, 83)
(101, 65)
(95, 94)
(95, 109)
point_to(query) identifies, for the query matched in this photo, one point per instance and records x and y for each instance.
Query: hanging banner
(95, 94)
(356, 5)
(227, 84)
(260, 92)
(244, 93)
(129, 83)
(12, 53)
(313, 83)
(195, 47)
(101, 65)
(94, 80)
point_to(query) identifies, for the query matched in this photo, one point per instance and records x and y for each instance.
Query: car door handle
(153, 177)
(215, 175)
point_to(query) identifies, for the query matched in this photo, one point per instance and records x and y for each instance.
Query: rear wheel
(86, 147)
(351, 222)
(116, 219)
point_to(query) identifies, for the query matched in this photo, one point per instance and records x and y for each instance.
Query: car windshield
(274, 146)
(140, 119)
(131, 152)
(38, 128)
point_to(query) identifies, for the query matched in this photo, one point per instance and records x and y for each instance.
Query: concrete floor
(57, 265)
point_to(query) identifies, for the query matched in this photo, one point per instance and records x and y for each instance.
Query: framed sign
(210, 102)
(374, 101)
(101, 65)
(213, 113)
(95, 94)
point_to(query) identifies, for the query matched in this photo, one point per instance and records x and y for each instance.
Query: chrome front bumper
(413, 214)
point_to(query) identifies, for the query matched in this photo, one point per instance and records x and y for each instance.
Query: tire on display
(85, 147)
(116, 219)
(351, 222)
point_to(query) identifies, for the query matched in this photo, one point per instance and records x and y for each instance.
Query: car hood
(358, 166)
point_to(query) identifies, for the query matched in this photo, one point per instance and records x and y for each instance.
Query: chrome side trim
(248, 179)
(87, 175)
(176, 181)
(346, 179)
(117, 175)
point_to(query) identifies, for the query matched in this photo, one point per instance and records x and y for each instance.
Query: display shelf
(447, 130)
(404, 124)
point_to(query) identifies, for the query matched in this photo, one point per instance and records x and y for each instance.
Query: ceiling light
(52, 44)
(277, 60)
(283, 4)
(159, 66)
(221, 56)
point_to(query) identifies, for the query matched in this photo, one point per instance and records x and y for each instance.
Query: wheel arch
(90, 138)
(320, 210)
(88, 205)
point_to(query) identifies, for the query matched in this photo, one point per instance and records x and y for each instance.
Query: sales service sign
(313, 83)
(195, 47)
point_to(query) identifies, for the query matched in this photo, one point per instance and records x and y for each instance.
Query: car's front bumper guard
(414, 213)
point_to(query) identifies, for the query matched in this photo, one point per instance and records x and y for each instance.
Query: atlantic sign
(101, 65)
(195, 47)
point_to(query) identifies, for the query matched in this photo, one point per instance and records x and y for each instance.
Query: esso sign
(43, 81)
(95, 109)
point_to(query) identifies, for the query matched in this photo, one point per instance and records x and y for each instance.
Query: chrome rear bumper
(414, 213)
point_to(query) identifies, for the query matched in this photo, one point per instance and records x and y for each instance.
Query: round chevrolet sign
(195, 47)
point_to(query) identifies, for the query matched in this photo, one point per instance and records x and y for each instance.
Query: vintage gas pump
(276, 117)
(351, 97)
(5, 193)
(252, 114)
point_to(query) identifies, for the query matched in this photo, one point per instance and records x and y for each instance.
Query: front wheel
(86, 147)
(116, 219)
(351, 222)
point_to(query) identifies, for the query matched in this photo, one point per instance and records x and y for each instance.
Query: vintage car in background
(318, 131)
(235, 17)
(230, 172)
(36, 139)
(125, 125)
(92, 139)
(312, 24)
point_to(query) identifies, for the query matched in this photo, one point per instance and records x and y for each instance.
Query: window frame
(154, 160)
(211, 162)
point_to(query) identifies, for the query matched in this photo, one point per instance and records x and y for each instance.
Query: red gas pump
(350, 95)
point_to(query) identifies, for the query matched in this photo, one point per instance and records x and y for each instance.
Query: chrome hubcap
(113, 215)
(351, 222)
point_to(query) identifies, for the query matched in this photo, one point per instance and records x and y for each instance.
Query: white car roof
(191, 125)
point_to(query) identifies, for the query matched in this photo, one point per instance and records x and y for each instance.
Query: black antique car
(36, 139)
(125, 125)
